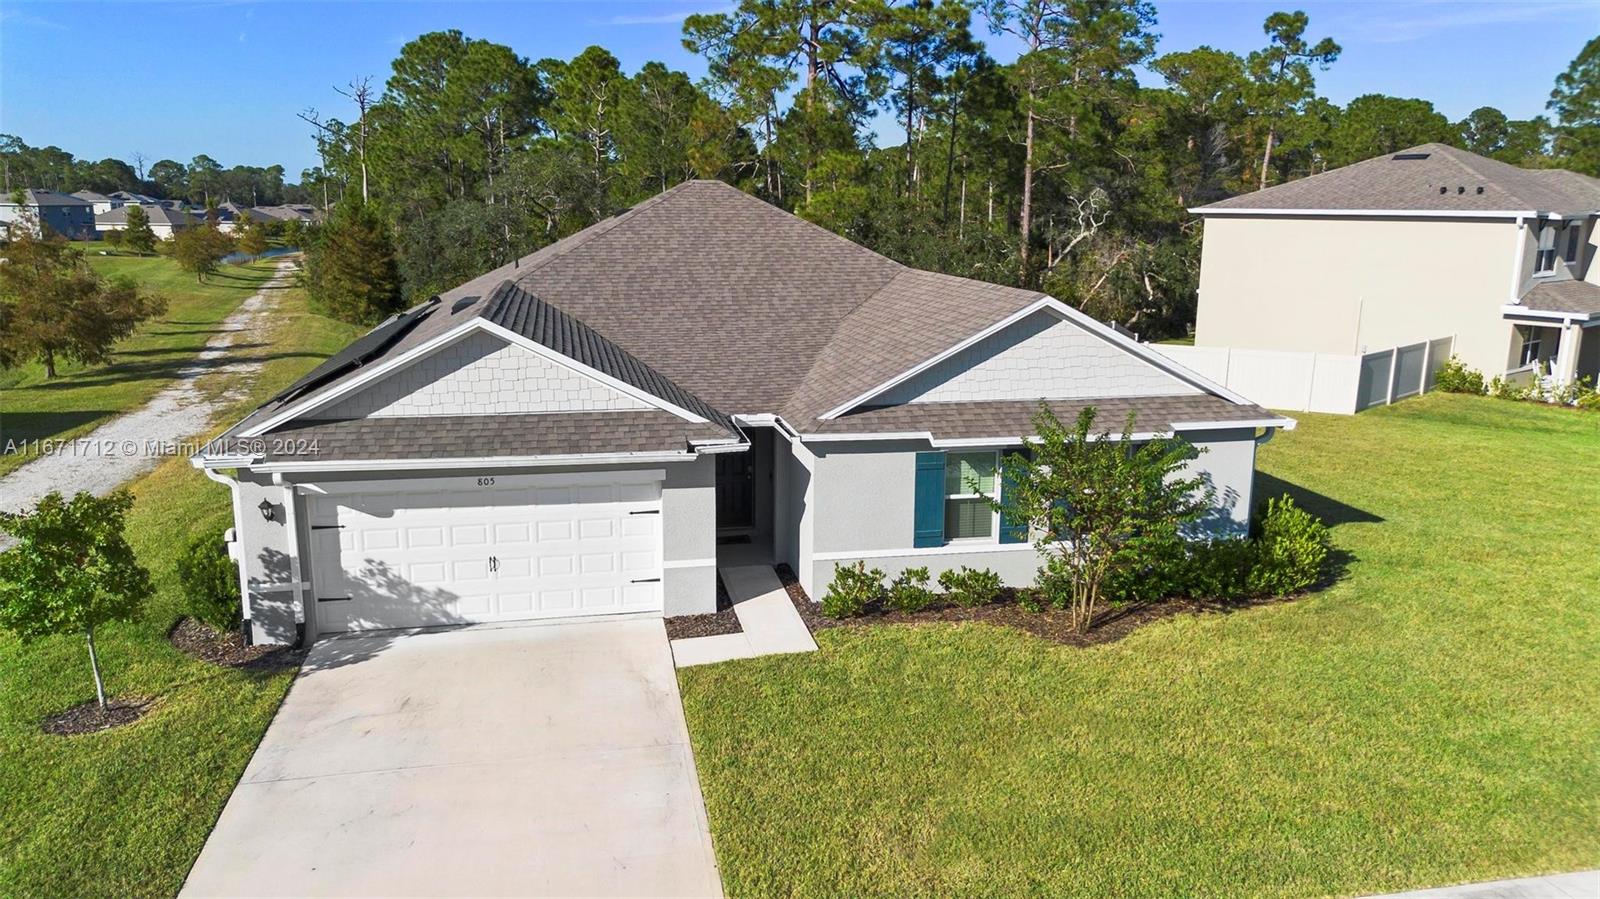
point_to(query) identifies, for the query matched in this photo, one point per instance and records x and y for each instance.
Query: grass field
(80, 397)
(124, 813)
(1430, 719)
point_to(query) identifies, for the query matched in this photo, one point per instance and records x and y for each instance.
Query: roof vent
(1443, 189)
(1400, 156)
(1461, 190)
(1480, 188)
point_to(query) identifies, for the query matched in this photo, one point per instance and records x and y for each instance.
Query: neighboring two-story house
(1427, 242)
(63, 214)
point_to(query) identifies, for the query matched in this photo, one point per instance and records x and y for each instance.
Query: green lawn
(124, 813)
(80, 397)
(1432, 718)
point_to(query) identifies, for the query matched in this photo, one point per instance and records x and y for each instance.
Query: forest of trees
(202, 180)
(1059, 170)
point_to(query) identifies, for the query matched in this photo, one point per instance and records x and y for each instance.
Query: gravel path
(131, 444)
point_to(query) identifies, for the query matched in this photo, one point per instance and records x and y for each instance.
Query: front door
(733, 491)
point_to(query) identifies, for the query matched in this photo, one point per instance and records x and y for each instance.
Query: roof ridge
(604, 226)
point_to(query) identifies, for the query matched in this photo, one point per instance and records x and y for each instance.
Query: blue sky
(225, 78)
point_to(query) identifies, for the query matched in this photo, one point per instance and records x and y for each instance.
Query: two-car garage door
(466, 550)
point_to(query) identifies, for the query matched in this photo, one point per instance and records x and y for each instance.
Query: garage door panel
(423, 557)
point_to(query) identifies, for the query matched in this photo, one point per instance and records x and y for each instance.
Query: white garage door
(496, 549)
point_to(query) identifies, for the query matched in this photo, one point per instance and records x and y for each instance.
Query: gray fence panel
(1374, 387)
(1438, 354)
(1411, 362)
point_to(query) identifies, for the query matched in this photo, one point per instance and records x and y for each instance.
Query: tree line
(1059, 170)
(202, 180)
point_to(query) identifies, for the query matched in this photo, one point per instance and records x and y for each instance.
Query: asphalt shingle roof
(1579, 297)
(37, 197)
(1014, 418)
(721, 304)
(1435, 178)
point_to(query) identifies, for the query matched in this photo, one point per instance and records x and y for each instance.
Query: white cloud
(669, 18)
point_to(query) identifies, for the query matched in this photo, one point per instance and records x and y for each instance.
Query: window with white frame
(1544, 261)
(1531, 346)
(968, 477)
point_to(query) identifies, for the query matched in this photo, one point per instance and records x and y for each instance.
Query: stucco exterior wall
(1042, 355)
(864, 504)
(1344, 285)
(688, 512)
(481, 375)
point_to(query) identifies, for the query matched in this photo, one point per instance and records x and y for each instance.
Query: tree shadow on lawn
(141, 371)
(30, 426)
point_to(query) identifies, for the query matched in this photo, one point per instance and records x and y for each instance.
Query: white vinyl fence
(1318, 382)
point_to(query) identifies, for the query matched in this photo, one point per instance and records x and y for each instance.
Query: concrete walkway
(128, 445)
(770, 624)
(495, 760)
(1579, 885)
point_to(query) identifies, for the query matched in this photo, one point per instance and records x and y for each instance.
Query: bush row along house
(87, 215)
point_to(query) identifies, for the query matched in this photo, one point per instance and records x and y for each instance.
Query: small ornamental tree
(200, 249)
(71, 571)
(139, 236)
(1099, 505)
(54, 305)
(252, 237)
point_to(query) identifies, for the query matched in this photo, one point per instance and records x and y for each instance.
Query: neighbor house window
(1531, 345)
(966, 515)
(1574, 237)
(1545, 260)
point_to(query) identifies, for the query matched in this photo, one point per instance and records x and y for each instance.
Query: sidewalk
(1578, 885)
(766, 614)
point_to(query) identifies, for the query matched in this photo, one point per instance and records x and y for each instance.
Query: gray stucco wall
(864, 504)
(688, 512)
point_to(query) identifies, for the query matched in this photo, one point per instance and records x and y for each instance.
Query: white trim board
(484, 462)
(1394, 213)
(368, 375)
(1088, 323)
(951, 549)
(428, 485)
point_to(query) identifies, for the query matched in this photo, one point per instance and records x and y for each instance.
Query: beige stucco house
(1428, 242)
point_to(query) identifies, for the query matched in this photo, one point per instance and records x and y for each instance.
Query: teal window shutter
(929, 501)
(1012, 528)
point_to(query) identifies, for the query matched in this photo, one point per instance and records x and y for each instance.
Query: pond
(233, 258)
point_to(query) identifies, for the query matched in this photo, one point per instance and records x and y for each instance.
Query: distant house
(124, 197)
(100, 202)
(230, 214)
(1430, 242)
(165, 222)
(292, 212)
(61, 213)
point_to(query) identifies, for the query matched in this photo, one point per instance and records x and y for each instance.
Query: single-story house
(229, 214)
(61, 213)
(1425, 243)
(299, 212)
(166, 222)
(582, 431)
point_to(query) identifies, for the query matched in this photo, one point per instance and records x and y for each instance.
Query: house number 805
(486, 482)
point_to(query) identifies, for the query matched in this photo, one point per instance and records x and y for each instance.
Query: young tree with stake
(1097, 504)
(71, 571)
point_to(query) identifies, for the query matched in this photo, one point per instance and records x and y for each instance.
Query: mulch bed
(198, 640)
(88, 717)
(1109, 626)
(722, 621)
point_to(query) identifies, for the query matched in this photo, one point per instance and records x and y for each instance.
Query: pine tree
(353, 274)
(138, 236)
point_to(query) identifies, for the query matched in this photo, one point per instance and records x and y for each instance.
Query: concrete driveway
(485, 761)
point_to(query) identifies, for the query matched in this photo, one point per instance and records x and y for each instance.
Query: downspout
(297, 585)
(233, 551)
(1266, 437)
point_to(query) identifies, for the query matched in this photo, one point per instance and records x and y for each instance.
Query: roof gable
(481, 374)
(1042, 356)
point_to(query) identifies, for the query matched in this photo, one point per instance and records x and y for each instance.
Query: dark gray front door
(733, 491)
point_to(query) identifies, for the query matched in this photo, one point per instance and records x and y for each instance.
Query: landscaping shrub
(970, 587)
(1052, 585)
(909, 592)
(1455, 377)
(1218, 569)
(1501, 389)
(854, 588)
(1290, 550)
(210, 581)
